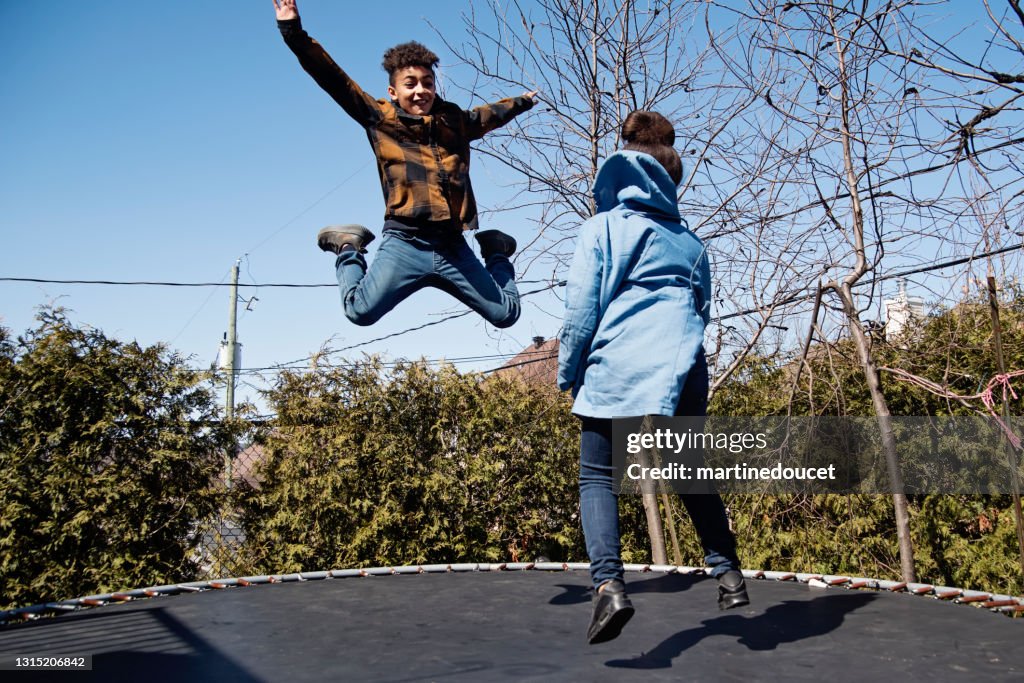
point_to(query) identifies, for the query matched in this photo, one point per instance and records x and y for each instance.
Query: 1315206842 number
(46, 662)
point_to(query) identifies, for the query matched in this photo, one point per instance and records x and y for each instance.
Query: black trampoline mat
(525, 626)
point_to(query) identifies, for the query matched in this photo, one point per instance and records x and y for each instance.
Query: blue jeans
(406, 263)
(599, 506)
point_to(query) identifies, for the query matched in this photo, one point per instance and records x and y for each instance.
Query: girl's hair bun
(647, 128)
(651, 133)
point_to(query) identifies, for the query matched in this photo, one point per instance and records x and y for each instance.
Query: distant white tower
(901, 311)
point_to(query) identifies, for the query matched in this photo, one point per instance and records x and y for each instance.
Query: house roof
(537, 363)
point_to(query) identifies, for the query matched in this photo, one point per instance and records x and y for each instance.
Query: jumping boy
(421, 143)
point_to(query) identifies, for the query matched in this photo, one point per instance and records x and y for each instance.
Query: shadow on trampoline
(123, 644)
(198, 659)
(670, 583)
(788, 622)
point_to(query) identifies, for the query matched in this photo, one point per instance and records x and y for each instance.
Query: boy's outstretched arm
(317, 63)
(485, 118)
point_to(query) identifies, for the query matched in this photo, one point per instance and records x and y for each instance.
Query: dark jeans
(405, 263)
(599, 506)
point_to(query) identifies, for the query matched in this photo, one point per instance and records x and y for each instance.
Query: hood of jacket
(638, 182)
(637, 296)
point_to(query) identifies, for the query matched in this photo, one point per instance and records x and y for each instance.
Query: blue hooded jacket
(638, 296)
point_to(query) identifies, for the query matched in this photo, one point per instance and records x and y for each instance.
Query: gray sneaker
(495, 242)
(334, 238)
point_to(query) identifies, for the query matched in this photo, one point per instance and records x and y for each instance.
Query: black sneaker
(732, 590)
(334, 238)
(495, 242)
(612, 609)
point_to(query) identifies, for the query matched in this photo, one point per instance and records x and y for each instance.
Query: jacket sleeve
(485, 118)
(328, 75)
(582, 306)
(705, 295)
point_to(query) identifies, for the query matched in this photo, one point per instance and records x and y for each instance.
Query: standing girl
(637, 302)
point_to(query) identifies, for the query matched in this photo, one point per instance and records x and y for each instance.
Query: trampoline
(525, 623)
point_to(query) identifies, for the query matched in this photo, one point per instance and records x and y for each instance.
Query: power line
(157, 283)
(551, 285)
(306, 359)
(198, 310)
(153, 283)
(548, 355)
(797, 298)
(550, 282)
(880, 278)
(308, 208)
(394, 363)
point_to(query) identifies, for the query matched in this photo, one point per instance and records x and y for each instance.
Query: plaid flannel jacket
(423, 161)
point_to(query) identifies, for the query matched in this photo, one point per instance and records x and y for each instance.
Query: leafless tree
(828, 144)
(905, 150)
(987, 130)
(594, 62)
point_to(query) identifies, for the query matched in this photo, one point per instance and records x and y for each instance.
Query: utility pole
(650, 500)
(231, 352)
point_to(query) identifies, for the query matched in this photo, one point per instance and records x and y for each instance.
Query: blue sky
(163, 141)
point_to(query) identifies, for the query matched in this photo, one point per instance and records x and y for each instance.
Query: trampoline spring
(999, 603)
(377, 571)
(1007, 605)
(406, 570)
(59, 607)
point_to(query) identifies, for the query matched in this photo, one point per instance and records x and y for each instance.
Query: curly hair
(651, 133)
(408, 54)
